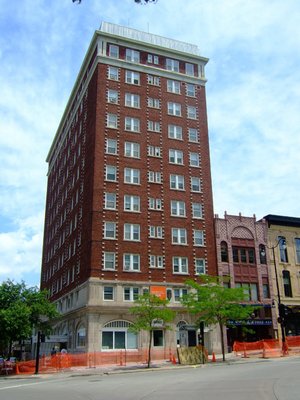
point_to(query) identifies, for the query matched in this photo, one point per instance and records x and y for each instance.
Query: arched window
(115, 335)
(80, 336)
(224, 252)
(282, 249)
(262, 254)
(178, 326)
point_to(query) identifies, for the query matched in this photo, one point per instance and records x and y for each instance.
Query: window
(180, 265)
(112, 96)
(132, 176)
(153, 103)
(179, 293)
(132, 124)
(111, 173)
(179, 236)
(197, 211)
(154, 177)
(194, 159)
(262, 254)
(195, 184)
(110, 201)
(132, 55)
(80, 337)
(243, 255)
(112, 121)
(132, 77)
(266, 291)
(113, 51)
(224, 252)
(132, 149)
(193, 135)
(115, 335)
(155, 204)
(153, 80)
(155, 232)
(200, 268)
(113, 73)
(189, 69)
(131, 203)
(174, 109)
(154, 126)
(190, 90)
(175, 156)
(110, 230)
(108, 293)
(173, 86)
(172, 65)
(198, 237)
(250, 290)
(132, 232)
(130, 293)
(178, 208)
(297, 246)
(176, 182)
(109, 261)
(111, 146)
(156, 261)
(132, 100)
(282, 249)
(151, 59)
(131, 262)
(175, 132)
(191, 112)
(154, 151)
(158, 338)
(287, 283)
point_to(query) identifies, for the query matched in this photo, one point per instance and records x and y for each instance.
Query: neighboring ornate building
(243, 262)
(129, 202)
(284, 244)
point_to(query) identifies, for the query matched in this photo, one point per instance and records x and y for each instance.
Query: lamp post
(280, 305)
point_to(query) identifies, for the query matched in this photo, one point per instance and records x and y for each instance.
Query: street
(276, 379)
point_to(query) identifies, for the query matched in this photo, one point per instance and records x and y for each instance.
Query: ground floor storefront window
(115, 335)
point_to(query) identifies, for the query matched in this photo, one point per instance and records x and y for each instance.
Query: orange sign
(159, 291)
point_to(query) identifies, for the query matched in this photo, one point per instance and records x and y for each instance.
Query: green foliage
(214, 304)
(21, 310)
(148, 309)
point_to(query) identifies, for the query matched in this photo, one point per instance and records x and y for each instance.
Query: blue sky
(253, 101)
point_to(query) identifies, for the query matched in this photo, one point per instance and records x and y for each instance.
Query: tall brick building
(129, 201)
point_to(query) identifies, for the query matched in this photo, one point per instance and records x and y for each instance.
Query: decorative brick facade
(129, 200)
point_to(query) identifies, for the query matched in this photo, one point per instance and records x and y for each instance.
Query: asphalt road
(276, 379)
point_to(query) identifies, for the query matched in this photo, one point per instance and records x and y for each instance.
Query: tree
(147, 310)
(21, 310)
(215, 304)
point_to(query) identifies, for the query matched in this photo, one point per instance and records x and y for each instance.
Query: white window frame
(132, 149)
(191, 112)
(111, 170)
(155, 204)
(132, 77)
(154, 151)
(132, 292)
(109, 258)
(152, 59)
(156, 232)
(111, 146)
(112, 96)
(110, 201)
(175, 132)
(154, 126)
(198, 237)
(113, 51)
(190, 90)
(174, 109)
(132, 232)
(200, 266)
(132, 55)
(154, 177)
(193, 134)
(173, 86)
(131, 262)
(196, 188)
(110, 226)
(132, 124)
(132, 203)
(177, 182)
(112, 121)
(179, 236)
(132, 176)
(194, 159)
(111, 293)
(179, 293)
(189, 69)
(132, 100)
(180, 265)
(197, 210)
(178, 208)
(175, 156)
(153, 80)
(113, 73)
(172, 65)
(153, 103)
(156, 261)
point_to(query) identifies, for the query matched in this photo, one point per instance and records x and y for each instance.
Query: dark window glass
(287, 283)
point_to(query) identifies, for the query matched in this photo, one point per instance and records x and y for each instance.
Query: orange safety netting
(63, 361)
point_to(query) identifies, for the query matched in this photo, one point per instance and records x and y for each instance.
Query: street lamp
(281, 307)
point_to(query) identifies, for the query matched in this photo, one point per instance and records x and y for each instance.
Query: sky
(253, 102)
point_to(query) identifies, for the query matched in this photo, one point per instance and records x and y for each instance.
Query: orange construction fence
(268, 347)
(63, 361)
